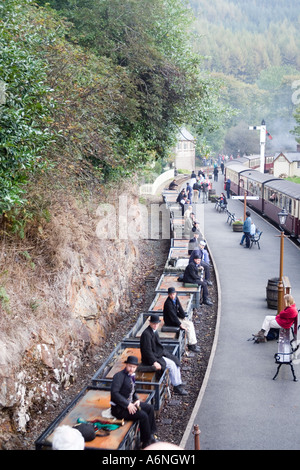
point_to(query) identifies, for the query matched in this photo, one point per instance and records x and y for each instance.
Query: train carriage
(274, 194)
(232, 172)
(253, 182)
(282, 194)
(253, 161)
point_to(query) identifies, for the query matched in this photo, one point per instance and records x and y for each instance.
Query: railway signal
(263, 130)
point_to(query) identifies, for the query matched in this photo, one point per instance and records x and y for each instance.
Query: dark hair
(248, 214)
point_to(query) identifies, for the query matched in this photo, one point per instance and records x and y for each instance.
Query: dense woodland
(95, 91)
(254, 47)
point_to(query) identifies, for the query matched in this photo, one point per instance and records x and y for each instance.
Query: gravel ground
(175, 413)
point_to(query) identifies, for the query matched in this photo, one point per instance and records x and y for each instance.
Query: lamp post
(282, 216)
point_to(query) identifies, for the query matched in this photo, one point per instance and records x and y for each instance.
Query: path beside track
(240, 407)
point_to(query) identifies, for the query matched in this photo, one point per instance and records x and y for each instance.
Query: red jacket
(287, 317)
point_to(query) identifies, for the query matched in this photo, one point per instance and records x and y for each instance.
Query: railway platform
(240, 406)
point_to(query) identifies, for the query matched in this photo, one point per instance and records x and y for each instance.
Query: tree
(25, 112)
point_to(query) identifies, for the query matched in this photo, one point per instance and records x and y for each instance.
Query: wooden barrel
(272, 293)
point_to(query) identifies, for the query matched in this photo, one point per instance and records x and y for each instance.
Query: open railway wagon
(177, 226)
(171, 280)
(145, 378)
(169, 336)
(89, 406)
(180, 243)
(177, 260)
(169, 196)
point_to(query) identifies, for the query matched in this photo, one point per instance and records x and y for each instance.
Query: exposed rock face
(47, 342)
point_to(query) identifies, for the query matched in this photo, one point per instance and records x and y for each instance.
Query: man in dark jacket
(191, 276)
(125, 403)
(154, 354)
(174, 316)
(198, 250)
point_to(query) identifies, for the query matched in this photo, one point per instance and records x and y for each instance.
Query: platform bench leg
(277, 371)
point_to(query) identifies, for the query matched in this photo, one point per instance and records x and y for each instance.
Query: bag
(180, 278)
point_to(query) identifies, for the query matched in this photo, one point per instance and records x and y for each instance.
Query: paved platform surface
(240, 406)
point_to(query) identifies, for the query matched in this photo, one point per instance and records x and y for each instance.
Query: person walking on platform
(284, 319)
(247, 229)
(125, 403)
(174, 316)
(154, 354)
(191, 276)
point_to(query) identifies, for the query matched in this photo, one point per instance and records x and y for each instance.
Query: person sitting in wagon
(125, 403)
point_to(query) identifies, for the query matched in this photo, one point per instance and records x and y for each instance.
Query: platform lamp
(282, 216)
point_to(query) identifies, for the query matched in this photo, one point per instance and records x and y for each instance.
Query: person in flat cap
(154, 354)
(191, 275)
(174, 315)
(125, 403)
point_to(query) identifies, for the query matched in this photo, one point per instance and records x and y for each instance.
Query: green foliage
(96, 88)
(149, 43)
(24, 114)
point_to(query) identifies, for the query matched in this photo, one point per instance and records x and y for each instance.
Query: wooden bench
(171, 280)
(287, 346)
(89, 405)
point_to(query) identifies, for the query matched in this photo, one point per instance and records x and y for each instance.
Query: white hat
(202, 242)
(67, 438)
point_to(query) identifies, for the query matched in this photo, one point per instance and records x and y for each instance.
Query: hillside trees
(106, 83)
(26, 105)
(254, 47)
(150, 41)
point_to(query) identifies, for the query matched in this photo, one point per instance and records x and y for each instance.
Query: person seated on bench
(180, 195)
(174, 316)
(222, 201)
(189, 218)
(284, 319)
(183, 202)
(154, 354)
(194, 242)
(205, 256)
(191, 276)
(125, 403)
(206, 266)
(173, 184)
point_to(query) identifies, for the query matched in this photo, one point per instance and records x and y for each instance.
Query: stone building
(185, 151)
(287, 163)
